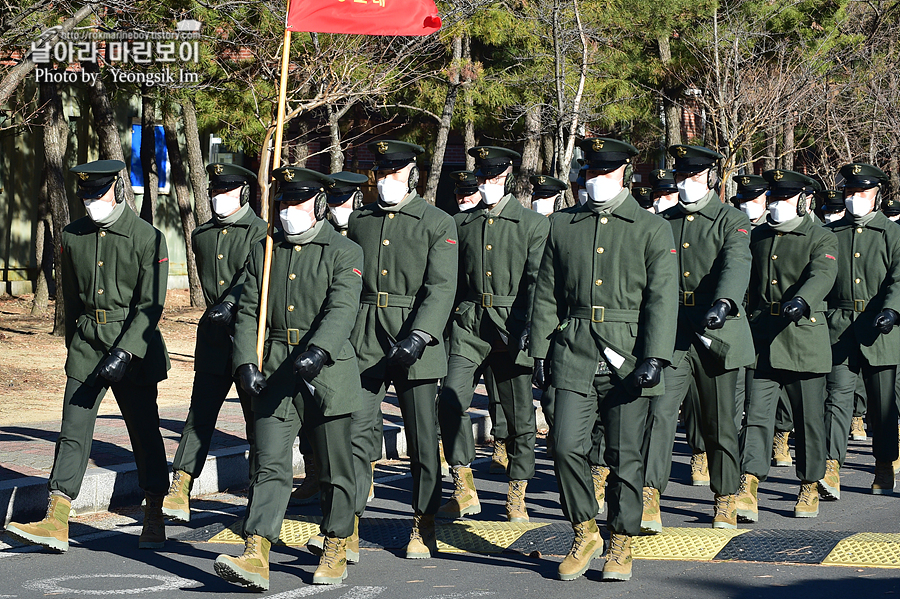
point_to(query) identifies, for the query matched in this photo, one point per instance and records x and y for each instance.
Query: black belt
(855, 305)
(489, 300)
(604, 314)
(105, 316)
(388, 300)
(287, 336)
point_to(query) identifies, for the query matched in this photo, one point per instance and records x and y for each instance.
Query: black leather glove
(886, 320)
(525, 338)
(311, 362)
(648, 373)
(794, 309)
(409, 350)
(114, 366)
(540, 378)
(221, 314)
(252, 380)
(715, 317)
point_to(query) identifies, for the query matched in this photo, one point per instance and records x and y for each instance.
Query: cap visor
(93, 194)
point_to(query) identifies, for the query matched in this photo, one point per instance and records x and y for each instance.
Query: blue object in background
(162, 159)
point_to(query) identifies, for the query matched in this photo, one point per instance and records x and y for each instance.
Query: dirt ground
(32, 361)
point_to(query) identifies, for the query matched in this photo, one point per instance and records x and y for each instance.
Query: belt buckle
(100, 316)
(487, 300)
(382, 300)
(594, 312)
(775, 309)
(291, 340)
(859, 305)
(688, 299)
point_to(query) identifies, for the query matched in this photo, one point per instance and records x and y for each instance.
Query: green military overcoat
(410, 271)
(499, 260)
(221, 252)
(313, 300)
(606, 283)
(868, 281)
(801, 263)
(114, 288)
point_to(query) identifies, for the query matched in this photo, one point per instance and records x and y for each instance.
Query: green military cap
(663, 179)
(491, 161)
(602, 153)
(890, 206)
(391, 155)
(466, 182)
(343, 184)
(693, 159)
(299, 184)
(546, 187)
(643, 195)
(832, 200)
(750, 186)
(862, 176)
(228, 176)
(95, 178)
(787, 184)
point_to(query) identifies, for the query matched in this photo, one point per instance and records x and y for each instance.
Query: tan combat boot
(884, 479)
(807, 501)
(153, 535)
(599, 475)
(372, 486)
(699, 470)
(781, 452)
(464, 501)
(618, 558)
(858, 429)
(333, 563)
(53, 531)
(308, 491)
(251, 568)
(587, 545)
(830, 485)
(353, 543)
(725, 515)
(177, 502)
(422, 538)
(499, 459)
(515, 501)
(746, 499)
(651, 517)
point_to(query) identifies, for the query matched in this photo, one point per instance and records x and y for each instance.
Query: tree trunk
(43, 251)
(531, 153)
(547, 153)
(771, 149)
(787, 159)
(56, 132)
(182, 196)
(195, 161)
(107, 128)
(148, 156)
(893, 168)
(334, 131)
(298, 150)
(671, 110)
(469, 127)
(440, 144)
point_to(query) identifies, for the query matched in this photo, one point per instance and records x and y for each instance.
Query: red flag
(367, 17)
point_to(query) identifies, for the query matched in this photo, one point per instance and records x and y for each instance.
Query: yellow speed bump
(295, 530)
(481, 537)
(700, 544)
(878, 550)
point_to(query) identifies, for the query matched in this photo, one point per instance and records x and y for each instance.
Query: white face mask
(831, 217)
(98, 209)
(543, 205)
(603, 189)
(469, 205)
(858, 206)
(391, 191)
(690, 191)
(781, 211)
(224, 204)
(753, 210)
(295, 220)
(663, 204)
(341, 215)
(894, 218)
(491, 193)
(582, 196)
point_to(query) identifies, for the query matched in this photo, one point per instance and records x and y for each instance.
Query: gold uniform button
(344, 233)
(813, 319)
(598, 282)
(102, 233)
(391, 216)
(383, 272)
(774, 281)
(685, 245)
(774, 257)
(489, 247)
(859, 229)
(856, 255)
(604, 220)
(100, 291)
(857, 281)
(490, 221)
(690, 217)
(297, 248)
(292, 276)
(220, 256)
(224, 231)
(687, 273)
(600, 250)
(221, 282)
(386, 242)
(100, 263)
(290, 308)
(488, 273)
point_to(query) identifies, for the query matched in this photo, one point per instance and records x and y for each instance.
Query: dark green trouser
(806, 393)
(73, 446)
(513, 385)
(859, 398)
(330, 438)
(499, 427)
(784, 420)
(548, 405)
(690, 417)
(624, 419)
(840, 386)
(881, 404)
(715, 393)
(419, 412)
(784, 416)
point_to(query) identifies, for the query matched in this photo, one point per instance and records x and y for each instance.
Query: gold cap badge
(778, 175)
(288, 175)
(597, 145)
(219, 169)
(483, 153)
(681, 151)
(745, 180)
(83, 176)
(382, 147)
(856, 169)
(541, 180)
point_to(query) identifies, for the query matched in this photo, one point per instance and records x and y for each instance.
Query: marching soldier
(603, 329)
(665, 191)
(344, 196)
(862, 310)
(308, 378)
(891, 209)
(794, 267)
(114, 268)
(500, 250)
(409, 282)
(547, 194)
(467, 195)
(644, 198)
(221, 247)
(833, 208)
(713, 342)
(751, 198)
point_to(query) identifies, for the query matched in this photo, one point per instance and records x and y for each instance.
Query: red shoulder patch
(673, 251)
(163, 260)
(357, 271)
(744, 231)
(830, 256)
(451, 241)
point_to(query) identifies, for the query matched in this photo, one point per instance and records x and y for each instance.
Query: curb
(24, 499)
